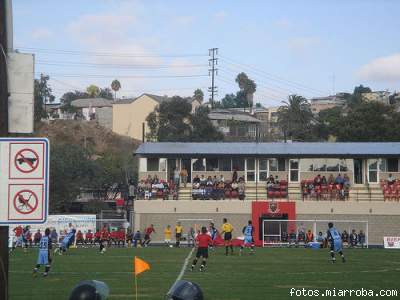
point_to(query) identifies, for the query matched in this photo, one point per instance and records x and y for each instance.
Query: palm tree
(115, 85)
(294, 118)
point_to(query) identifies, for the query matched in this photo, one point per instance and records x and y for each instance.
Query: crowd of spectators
(154, 188)
(276, 188)
(321, 188)
(391, 188)
(217, 188)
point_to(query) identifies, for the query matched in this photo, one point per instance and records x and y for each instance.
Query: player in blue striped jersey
(335, 240)
(248, 241)
(44, 253)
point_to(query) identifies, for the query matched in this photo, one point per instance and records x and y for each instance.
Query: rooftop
(229, 114)
(293, 150)
(91, 102)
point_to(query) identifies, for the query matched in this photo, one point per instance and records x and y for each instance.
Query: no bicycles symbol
(25, 202)
(26, 160)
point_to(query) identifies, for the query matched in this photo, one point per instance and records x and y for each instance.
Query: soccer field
(269, 274)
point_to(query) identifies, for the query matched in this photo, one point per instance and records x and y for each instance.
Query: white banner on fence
(391, 242)
(60, 223)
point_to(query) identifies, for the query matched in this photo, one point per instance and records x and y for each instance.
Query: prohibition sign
(25, 202)
(26, 160)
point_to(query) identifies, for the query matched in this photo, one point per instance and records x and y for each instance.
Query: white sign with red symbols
(24, 180)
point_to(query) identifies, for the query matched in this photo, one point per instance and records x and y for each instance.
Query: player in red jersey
(104, 236)
(147, 235)
(89, 238)
(203, 240)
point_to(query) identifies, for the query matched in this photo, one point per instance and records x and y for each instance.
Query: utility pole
(212, 62)
(3, 133)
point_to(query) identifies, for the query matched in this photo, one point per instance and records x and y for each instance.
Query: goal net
(281, 233)
(191, 228)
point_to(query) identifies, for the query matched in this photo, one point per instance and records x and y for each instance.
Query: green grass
(270, 273)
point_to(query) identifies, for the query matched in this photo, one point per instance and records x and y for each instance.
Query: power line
(120, 76)
(112, 54)
(213, 61)
(115, 66)
(272, 76)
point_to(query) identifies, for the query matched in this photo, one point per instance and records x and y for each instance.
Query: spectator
(276, 180)
(79, 238)
(184, 176)
(353, 238)
(242, 189)
(345, 237)
(215, 180)
(129, 237)
(331, 179)
(36, 238)
(210, 181)
(320, 239)
(203, 181)
(270, 182)
(309, 236)
(292, 238)
(89, 237)
(391, 179)
(235, 186)
(284, 237)
(221, 190)
(339, 180)
(54, 236)
(317, 180)
(222, 178)
(234, 176)
(301, 237)
(176, 176)
(323, 180)
(196, 179)
(361, 239)
(346, 181)
(137, 239)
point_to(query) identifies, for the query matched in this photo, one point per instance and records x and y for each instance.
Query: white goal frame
(314, 229)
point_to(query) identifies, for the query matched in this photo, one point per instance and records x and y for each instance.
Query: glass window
(294, 165)
(383, 165)
(251, 176)
(152, 164)
(238, 164)
(225, 164)
(281, 164)
(251, 164)
(392, 165)
(212, 164)
(199, 164)
(163, 164)
(263, 164)
(263, 175)
(273, 165)
(343, 165)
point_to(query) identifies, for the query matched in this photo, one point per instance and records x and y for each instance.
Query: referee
(178, 234)
(227, 230)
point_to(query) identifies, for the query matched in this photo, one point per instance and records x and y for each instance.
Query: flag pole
(136, 287)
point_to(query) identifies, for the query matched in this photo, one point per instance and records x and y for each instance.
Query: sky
(310, 48)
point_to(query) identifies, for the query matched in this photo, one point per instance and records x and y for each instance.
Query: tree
(68, 97)
(198, 95)
(172, 121)
(356, 98)
(93, 90)
(203, 129)
(42, 96)
(116, 86)
(106, 93)
(294, 118)
(247, 86)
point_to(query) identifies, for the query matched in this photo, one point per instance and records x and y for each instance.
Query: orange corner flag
(140, 266)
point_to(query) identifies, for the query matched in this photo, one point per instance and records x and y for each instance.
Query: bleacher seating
(278, 190)
(323, 191)
(391, 192)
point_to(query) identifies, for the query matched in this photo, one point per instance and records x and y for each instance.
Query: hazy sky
(307, 47)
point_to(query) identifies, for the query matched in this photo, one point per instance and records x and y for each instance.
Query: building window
(152, 164)
(163, 165)
(277, 164)
(392, 165)
(225, 164)
(199, 164)
(238, 164)
(212, 164)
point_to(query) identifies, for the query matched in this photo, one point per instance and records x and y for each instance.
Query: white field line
(185, 264)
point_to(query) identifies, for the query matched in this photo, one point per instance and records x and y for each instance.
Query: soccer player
(147, 235)
(178, 234)
(26, 237)
(203, 240)
(167, 235)
(226, 231)
(104, 237)
(213, 233)
(18, 235)
(248, 241)
(335, 241)
(66, 242)
(44, 253)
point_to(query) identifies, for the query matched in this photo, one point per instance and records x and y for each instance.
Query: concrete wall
(128, 118)
(383, 217)
(104, 116)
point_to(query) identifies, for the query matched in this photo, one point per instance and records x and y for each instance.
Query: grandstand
(350, 185)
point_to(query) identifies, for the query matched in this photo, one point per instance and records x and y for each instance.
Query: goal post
(187, 224)
(277, 233)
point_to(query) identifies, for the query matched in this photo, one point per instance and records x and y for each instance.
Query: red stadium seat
(270, 194)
